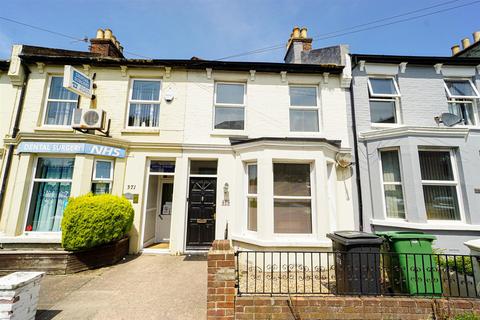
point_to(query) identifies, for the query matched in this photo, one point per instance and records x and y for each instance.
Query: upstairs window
(102, 176)
(303, 109)
(229, 111)
(384, 100)
(60, 104)
(462, 95)
(144, 103)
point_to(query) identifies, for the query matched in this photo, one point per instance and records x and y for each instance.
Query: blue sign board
(70, 147)
(77, 82)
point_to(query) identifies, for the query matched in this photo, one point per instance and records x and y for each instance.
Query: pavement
(141, 287)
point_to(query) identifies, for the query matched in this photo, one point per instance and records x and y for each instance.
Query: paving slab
(142, 287)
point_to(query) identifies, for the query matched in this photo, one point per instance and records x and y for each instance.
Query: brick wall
(223, 302)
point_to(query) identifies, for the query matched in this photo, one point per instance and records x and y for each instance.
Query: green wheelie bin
(409, 263)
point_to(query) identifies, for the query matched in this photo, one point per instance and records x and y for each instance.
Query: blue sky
(213, 29)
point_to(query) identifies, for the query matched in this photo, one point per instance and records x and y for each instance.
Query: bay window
(392, 184)
(50, 192)
(60, 104)
(102, 176)
(440, 184)
(144, 103)
(292, 198)
(303, 109)
(462, 96)
(229, 110)
(252, 196)
(384, 100)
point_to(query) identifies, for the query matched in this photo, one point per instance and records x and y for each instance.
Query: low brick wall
(223, 303)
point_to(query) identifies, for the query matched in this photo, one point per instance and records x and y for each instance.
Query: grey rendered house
(417, 127)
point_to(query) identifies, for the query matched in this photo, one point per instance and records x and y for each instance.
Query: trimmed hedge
(92, 220)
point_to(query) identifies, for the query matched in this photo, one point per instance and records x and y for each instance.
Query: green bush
(467, 316)
(92, 220)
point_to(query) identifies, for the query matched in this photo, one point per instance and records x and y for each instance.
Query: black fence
(362, 273)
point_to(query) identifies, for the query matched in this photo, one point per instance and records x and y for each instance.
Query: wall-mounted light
(226, 195)
(344, 160)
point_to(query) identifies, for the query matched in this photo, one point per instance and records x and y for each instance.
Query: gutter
(15, 131)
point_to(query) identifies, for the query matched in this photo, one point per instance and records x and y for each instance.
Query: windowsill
(54, 128)
(313, 134)
(33, 237)
(287, 242)
(153, 131)
(430, 225)
(385, 125)
(229, 133)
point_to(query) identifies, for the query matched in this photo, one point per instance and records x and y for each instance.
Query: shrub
(467, 316)
(92, 220)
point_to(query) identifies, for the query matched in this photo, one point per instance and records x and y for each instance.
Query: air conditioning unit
(89, 119)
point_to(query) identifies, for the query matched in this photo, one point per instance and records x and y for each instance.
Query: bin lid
(355, 238)
(405, 235)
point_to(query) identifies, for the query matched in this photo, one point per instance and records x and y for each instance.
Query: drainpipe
(15, 130)
(357, 164)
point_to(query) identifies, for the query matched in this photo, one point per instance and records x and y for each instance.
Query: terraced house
(255, 152)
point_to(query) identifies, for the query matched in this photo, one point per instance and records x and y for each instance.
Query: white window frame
(30, 193)
(130, 101)
(230, 105)
(449, 94)
(304, 108)
(472, 100)
(97, 180)
(47, 100)
(455, 182)
(313, 212)
(396, 183)
(385, 97)
(250, 195)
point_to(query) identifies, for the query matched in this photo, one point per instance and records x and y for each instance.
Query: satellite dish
(450, 119)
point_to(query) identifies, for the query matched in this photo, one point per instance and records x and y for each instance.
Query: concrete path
(142, 287)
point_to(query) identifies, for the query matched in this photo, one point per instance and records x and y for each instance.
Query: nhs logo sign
(70, 148)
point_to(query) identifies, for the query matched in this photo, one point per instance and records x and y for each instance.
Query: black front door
(201, 212)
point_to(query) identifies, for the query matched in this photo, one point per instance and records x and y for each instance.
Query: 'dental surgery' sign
(77, 82)
(67, 147)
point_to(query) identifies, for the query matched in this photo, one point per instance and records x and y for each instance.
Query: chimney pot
(295, 33)
(100, 34)
(455, 49)
(465, 43)
(476, 36)
(108, 34)
(113, 39)
(303, 33)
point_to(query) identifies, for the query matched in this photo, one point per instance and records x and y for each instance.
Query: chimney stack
(297, 43)
(106, 44)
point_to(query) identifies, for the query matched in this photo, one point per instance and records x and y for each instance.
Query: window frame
(304, 108)
(313, 213)
(97, 180)
(449, 94)
(455, 182)
(472, 100)
(250, 195)
(395, 98)
(130, 101)
(47, 100)
(230, 105)
(385, 214)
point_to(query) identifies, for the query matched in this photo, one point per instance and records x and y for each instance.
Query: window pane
(230, 93)
(292, 216)
(203, 167)
(303, 96)
(394, 201)
(100, 188)
(390, 166)
(229, 118)
(436, 165)
(441, 202)
(103, 170)
(252, 214)
(464, 111)
(143, 115)
(252, 179)
(162, 166)
(382, 112)
(460, 88)
(54, 168)
(48, 202)
(304, 120)
(382, 86)
(59, 113)
(291, 179)
(57, 91)
(146, 90)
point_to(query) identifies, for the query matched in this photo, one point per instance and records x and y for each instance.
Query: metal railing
(358, 273)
